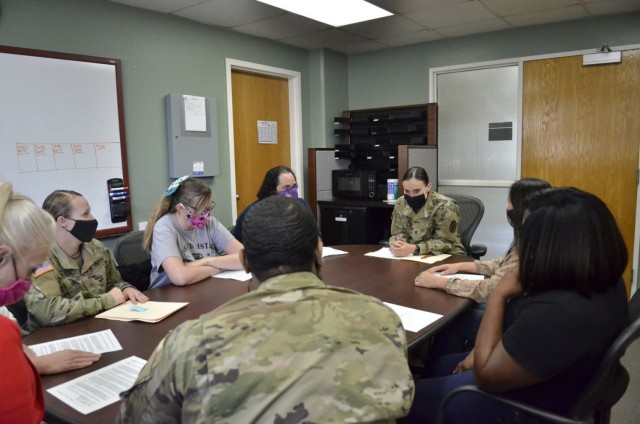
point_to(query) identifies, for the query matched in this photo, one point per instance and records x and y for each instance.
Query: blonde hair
(191, 192)
(23, 225)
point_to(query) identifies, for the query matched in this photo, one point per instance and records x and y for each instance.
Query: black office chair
(129, 249)
(634, 305)
(134, 263)
(606, 387)
(19, 311)
(471, 212)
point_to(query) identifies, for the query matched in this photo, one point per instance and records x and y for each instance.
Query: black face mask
(84, 230)
(416, 202)
(510, 216)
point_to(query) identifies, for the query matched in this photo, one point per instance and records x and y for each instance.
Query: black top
(561, 336)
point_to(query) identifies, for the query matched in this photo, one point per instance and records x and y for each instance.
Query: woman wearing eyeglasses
(186, 242)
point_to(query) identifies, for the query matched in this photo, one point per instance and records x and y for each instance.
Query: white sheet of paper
(98, 342)
(234, 275)
(88, 393)
(413, 319)
(463, 276)
(385, 253)
(268, 132)
(427, 260)
(195, 113)
(330, 251)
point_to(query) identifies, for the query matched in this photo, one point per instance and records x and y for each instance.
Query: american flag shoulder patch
(42, 270)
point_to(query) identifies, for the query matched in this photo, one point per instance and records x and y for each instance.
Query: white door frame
(295, 120)
(634, 256)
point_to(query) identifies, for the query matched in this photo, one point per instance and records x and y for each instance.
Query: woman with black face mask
(479, 290)
(79, 277)
(461, 335)
(424, 222)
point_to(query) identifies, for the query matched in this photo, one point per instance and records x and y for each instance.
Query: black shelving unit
(369, 138)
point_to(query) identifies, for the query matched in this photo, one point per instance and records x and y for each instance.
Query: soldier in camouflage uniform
(424, 222)
(293, 350)
(79, 277)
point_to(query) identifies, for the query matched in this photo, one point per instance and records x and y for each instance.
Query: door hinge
(637, 176)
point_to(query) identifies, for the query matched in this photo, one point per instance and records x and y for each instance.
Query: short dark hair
(518, 193)
(271, 180)
(280, 236)
(569, 241)
(418, 173)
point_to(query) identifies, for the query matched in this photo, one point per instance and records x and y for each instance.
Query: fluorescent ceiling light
(332, 12)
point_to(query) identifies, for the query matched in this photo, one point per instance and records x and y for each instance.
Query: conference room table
(386, 279)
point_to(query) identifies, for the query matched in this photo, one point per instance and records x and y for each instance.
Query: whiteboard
(62, 127)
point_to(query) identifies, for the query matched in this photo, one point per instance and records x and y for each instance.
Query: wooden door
(581, 128)
(258, 98)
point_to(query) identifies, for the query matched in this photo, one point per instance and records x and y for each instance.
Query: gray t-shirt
(171, 240)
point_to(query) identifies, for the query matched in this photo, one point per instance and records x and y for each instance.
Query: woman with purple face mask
(279, 180)
(186, 242)
(26, 232)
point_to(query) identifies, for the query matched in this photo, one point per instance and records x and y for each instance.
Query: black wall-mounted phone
(118, 200)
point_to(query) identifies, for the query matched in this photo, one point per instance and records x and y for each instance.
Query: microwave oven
(360, 183)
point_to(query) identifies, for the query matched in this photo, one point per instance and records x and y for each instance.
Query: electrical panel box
(192, 136)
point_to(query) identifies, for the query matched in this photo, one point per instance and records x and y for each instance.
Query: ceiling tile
(329, 38)
(411, 38)
(611, 6)
(282, 26)
(414, 21)
(164, 6)
(519, 7)
(455, 14)
(563, 14)
(383, 27)
(229, 13)
(405, 6)
(473, 28)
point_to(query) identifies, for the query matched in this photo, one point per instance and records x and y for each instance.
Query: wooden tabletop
(389, 280)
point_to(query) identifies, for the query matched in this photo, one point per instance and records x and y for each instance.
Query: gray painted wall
(161, 54)
(400, 76)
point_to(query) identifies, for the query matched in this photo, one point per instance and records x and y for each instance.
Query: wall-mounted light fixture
(605, 55)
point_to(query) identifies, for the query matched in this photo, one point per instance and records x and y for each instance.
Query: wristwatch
(417, 251)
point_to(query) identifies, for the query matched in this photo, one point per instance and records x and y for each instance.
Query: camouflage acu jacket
(479, 290)
(292, 351)
(434, 228)
(62, 292)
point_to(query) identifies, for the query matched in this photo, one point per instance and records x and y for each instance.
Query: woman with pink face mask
(26, 232)
(186, 242)
(279, 180)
